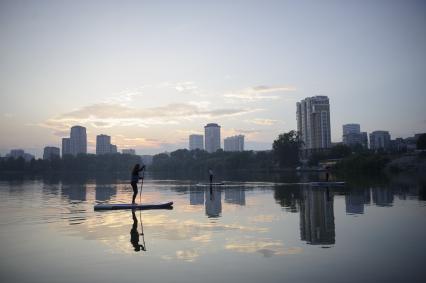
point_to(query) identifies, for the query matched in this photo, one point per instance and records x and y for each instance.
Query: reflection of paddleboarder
(134, 234)
(211, 175)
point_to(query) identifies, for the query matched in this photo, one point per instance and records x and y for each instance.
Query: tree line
(284, 155)
(82, 162)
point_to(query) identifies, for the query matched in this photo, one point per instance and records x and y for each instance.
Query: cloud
(261, 92)
(250, 134)
(128, 142)
(266, 247)
(107, 115)
(186, 87)
(263, 122)
(124, 97)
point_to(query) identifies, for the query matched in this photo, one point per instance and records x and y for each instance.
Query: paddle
(142, 234)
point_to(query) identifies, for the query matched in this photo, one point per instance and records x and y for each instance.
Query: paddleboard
(144, 206)
(325, 184)
(208, 184)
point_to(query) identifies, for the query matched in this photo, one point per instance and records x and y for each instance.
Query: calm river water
(239, 232)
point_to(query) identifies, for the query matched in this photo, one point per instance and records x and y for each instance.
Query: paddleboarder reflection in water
(135, 180)
(134, 234)
(211, 175)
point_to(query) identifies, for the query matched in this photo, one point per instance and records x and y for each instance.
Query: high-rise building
(234, 143)
(212, 137)
(78, 140)
(351, 129)
(313, 122)
(104, 146)
(196, 142)
(128, 151)
(50, 152)
(66, 146)
(352, 135)
(379, 139)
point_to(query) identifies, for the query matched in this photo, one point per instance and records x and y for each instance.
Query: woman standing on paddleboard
(135, 180)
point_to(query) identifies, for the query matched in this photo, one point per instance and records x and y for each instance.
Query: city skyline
(149, 76)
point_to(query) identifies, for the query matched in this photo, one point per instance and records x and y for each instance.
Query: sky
(149, 73)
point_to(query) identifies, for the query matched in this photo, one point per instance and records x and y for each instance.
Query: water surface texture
(239, 232)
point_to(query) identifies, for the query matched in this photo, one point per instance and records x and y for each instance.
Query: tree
(340, 151)
(421, 142)
(286, 149)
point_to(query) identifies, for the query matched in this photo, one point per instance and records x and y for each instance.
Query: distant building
(104, 146)
(235, 143)
(66, 146)
(351, 129)
(196, 142)
(128, 151)
(78, 141)
(313, 122)
(20, 153)
(212, 137)
(364, 139)
(113, 148)
(352, 135)
(51, 152)
(380, 139)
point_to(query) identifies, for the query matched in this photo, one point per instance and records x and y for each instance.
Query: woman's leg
(135, 191)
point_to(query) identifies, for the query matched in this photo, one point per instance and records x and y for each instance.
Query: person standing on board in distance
(327, 173)
(211, 175)
(135, 180)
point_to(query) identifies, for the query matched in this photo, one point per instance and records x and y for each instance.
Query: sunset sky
(149, 73)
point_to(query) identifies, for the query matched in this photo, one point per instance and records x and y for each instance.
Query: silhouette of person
(327, 173)
(134, 234)
(135, 179)
(211, 175)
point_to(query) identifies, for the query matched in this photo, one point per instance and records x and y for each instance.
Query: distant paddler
(211, 175)
(135, 179)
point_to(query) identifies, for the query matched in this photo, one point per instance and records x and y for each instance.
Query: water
(241, 232)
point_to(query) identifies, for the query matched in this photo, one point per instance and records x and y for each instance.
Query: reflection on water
(235, 196)
(134, 234)
(105, 192)
(355, 199)
(243, 228)
(317, 216)
(213, 204)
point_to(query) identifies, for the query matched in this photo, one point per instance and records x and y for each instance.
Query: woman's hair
(135, 169)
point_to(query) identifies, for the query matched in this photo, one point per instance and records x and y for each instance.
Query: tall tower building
(78, 140)
(196, 142)
(103, 144)
(66, 146)
(212, 137)
(235, 143)
(313, 122)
